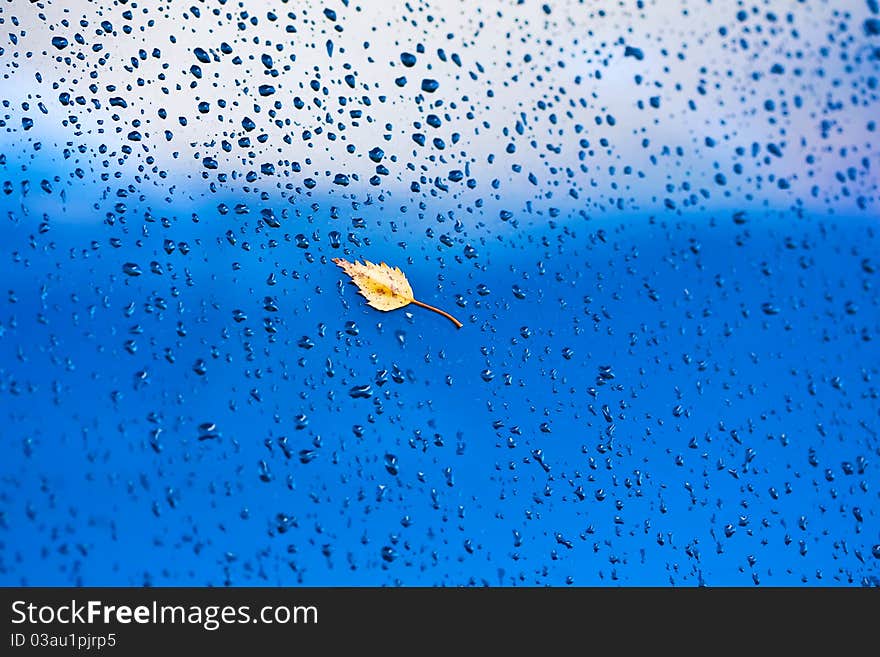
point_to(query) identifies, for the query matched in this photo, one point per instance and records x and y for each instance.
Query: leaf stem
(438, 311)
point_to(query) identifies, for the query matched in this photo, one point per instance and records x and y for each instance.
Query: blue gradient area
(657, 221)
(634, 399)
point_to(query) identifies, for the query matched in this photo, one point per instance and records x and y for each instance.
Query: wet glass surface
(657, 222)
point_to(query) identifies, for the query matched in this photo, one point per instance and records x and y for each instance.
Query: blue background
(666, 391)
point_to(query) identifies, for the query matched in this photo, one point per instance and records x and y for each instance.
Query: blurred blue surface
(737, 366)
(655, 384)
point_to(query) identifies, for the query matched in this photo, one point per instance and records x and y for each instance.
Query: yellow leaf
(383, 287)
